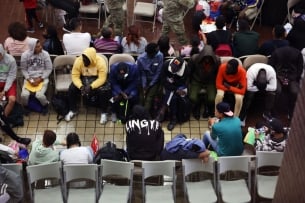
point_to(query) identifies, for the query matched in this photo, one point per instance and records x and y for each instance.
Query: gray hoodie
(14, 184)
(35, 65)
(8, 69)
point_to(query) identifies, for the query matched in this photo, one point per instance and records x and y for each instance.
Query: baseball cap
(276, 125)
(224, 108)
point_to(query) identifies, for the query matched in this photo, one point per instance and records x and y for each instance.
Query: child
(30, 11)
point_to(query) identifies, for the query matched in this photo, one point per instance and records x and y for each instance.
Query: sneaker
(113, 117)
(69, 116)
(30, 30)
(103, 118)
(40, 24)
(171, 125)
(66, 28)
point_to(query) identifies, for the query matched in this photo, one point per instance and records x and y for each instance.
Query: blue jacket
(129, 85)
(150, 69)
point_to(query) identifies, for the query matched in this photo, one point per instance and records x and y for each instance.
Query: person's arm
(272, 81)
(11, 74)
(102, 73)
(159, 69)
(220, 79)
(242, 86)
(76, 73)
(48, 65)
(133, 83)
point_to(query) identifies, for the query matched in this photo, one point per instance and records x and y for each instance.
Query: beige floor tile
(52, 124)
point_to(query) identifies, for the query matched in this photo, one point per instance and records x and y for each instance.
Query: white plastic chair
(224, 59)
(46, 172)
(165, 193)
(92, 8)
(255, 58)
(237, 189)
(265, 184)
(77, 173)
(116, 58)
(145, 9)
(62, 72)
(116, 193)
(195, 191)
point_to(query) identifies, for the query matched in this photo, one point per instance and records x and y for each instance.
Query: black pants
(30, 15)
(102, 98)
(70, 6)
(5, 127)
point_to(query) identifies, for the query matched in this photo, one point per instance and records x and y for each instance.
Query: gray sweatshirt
(8, 69)
(35, 65)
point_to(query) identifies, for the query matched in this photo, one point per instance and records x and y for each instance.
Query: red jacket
(237, 82)
(30, 4)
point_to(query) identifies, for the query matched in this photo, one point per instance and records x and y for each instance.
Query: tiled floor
(86, 124)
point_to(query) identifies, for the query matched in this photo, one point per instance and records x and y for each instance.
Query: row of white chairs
(222, 185)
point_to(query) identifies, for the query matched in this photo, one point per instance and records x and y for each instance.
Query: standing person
(8, 85)
(296, 36)
(70, 6)
(36, 66)
(144, 136)
(116, 17)
(43, 151)
(231, 78)
(17, 42)
(226, 136)
(30, 11)
(133, 42)
(76, 41)
(260, 78)
(150, 66)
(89, 73)
(52, 44)
(173, 14)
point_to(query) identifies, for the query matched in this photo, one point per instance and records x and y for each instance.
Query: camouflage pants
(177, 28)
(117, 18)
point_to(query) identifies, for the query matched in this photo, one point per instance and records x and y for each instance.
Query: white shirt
(76, 155)
(132, 47)
(76, 42)
(252, 74)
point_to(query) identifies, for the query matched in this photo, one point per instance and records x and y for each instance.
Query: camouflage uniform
(116, 16)
(173, 14)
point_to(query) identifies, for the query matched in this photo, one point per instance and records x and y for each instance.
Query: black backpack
(110, 151)
(60, 104)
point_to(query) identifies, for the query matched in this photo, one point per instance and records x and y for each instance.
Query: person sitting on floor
(225, 136)
(144, 136)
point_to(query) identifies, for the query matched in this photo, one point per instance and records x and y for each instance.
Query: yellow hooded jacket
(97, 68)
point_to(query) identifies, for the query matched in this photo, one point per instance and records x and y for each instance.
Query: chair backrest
(197, 165)
(234, 163)
(121, 168)
(116, 58)
(265, 158)
(105, 59)
(44, 171)
(63, 60)
(154, 168)
(80, 171)
(252, 59)
(225, 59)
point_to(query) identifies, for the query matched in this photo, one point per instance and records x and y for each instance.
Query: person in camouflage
(116, 17)
(173, 14)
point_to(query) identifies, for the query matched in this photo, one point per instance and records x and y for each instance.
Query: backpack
(223, 50)
(60, 105)
(110, 151)
(183, 109)
(34, 104)
(5, 157)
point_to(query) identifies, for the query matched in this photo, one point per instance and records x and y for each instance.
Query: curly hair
(17, 31)
(133, 35)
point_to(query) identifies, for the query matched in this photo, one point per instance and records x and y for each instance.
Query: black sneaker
(171, 125)
(66, 28)
(25, 141)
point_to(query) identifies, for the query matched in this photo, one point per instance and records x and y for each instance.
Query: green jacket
(41, 155)
(174, 9)
(114, 4)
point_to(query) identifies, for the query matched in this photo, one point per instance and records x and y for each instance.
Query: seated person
(43, 151)
(106, 43)
(225, 136)
(296, 36)
(245, 41)
(144, 136)
(174, 81)
(195, 46)
(52, 44)
(274, 140)
(89, 74)
(261, 78)
(17, 42)
(36, 67)
(231, 78)
(288, 64)
(75, 153)
(11, 185)
(279, 35)
(180, 147)
(204, 68)
(124, 79)
(165, 47)
(76, 41)
(133, 42)
(150, 67)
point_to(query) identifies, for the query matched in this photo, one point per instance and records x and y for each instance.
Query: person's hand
(181, 92)
(2, 94)
(37, 81)
(82, 90)
(204, 156)
(124, 95)
(227, 85)
(87, 89)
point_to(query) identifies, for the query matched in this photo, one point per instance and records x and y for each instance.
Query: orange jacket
(237, 82)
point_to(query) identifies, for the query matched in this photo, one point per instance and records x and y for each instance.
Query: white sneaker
(113, 117)
(103, 118)
(69, 116)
